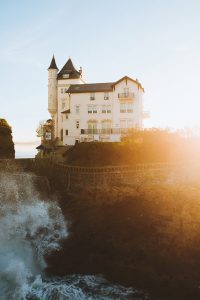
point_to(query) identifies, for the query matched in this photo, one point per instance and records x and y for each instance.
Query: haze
(157, 42)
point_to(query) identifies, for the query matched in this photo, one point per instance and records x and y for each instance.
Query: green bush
(147, 146)
(6, 142)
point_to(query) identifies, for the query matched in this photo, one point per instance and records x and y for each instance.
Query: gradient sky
(157, 42)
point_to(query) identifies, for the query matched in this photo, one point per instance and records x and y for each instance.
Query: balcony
(66, 111)
(126, 110)
(107, 131)
(126, 96)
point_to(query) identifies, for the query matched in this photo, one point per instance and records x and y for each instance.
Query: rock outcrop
(147, 237)
(6, 143)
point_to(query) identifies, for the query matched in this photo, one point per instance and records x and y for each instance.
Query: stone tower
(52, 93)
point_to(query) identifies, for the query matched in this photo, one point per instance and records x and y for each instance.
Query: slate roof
(70, 70)
(53, 64)
(99, 87)
(90, 87)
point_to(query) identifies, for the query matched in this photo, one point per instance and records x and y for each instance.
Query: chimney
(81, 71)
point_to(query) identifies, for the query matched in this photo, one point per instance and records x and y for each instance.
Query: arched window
(106, 126)
(92, 127)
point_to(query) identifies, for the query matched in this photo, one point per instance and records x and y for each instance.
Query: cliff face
(6, 143)
(146, 237)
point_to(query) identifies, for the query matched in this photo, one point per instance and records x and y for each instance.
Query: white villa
(92, 111)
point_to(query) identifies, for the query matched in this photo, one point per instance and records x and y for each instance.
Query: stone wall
(68, 177)
(65, 177)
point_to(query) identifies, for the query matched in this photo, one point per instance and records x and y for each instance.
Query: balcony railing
(126, 95)
(107, 131)
(66, 111)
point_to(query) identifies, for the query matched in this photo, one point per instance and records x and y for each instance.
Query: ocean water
(30, 228)
(25, 150)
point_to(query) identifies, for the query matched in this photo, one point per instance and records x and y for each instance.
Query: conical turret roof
(69, 70)
(53, 64)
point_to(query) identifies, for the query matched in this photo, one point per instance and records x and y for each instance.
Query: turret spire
(53, 64)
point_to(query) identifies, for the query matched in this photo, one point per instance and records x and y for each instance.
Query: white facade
(88, 112)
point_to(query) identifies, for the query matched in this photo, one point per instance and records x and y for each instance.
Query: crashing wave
(30, 228)
(80, 287)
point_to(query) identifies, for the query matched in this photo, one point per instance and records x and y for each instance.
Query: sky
(156, 41)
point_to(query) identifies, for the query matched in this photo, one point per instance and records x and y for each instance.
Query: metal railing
(126, 95)
(107, 131)
(123, 169)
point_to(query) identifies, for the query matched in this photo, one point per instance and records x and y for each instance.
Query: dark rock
(146, 237)
(6, 143)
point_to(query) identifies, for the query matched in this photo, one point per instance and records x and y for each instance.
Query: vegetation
(145, 146)
(6, 143)
(144, 236)
(148, 237)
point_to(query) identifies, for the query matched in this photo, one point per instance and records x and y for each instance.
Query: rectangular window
(126, 107)
(126, 124)
(77, 109)
(109, 109)
(129, 107)
(92, 128)
(66, 132)
(63, 105)
(106, 127)
(61, 91)
(103, 109)
(94, 109)
(89, 109)
(77, 124)
(106, 96)
(122, 108)
(92, 96)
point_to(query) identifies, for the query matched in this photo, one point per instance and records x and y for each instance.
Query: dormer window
(65, 75)
(92, 96)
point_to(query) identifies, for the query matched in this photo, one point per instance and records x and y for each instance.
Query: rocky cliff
(6, 143)
(146, 237)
